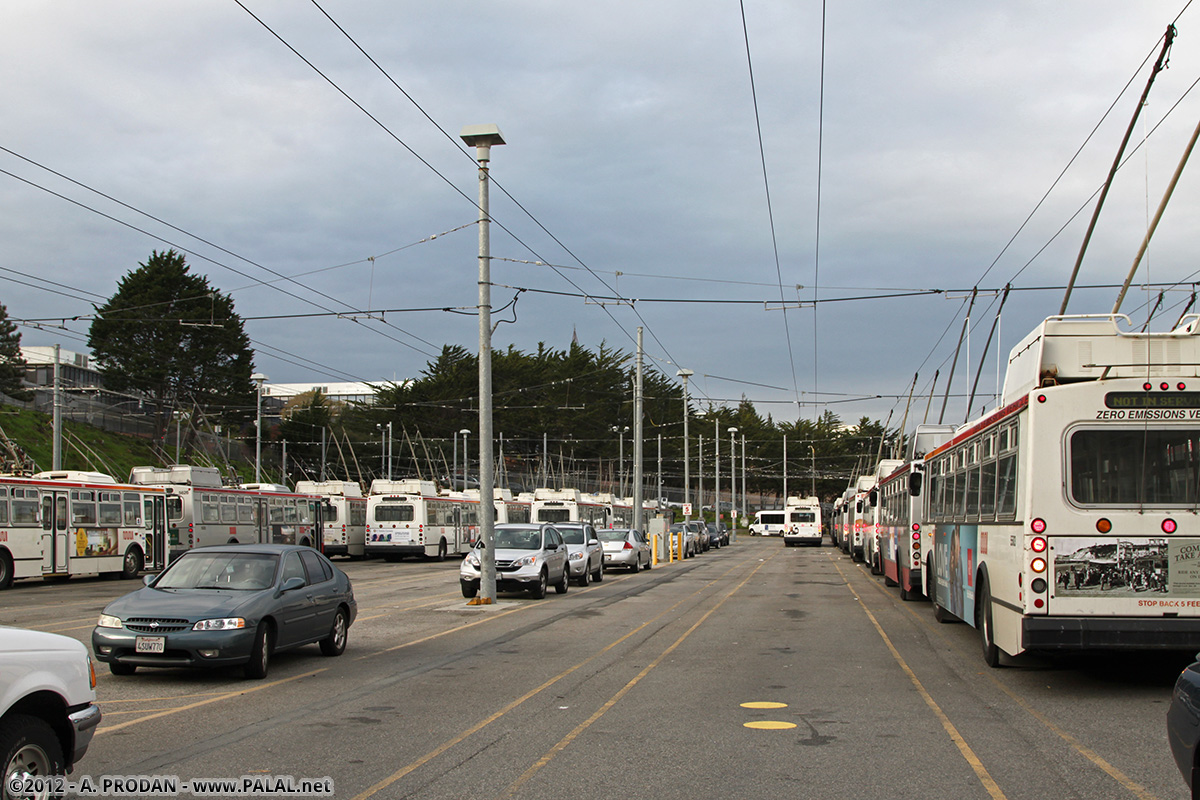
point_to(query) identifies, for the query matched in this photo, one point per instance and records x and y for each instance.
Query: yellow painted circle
(770, 725)
(764, 704)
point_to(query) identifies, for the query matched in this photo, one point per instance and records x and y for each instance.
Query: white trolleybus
(412, 518)
(344, 521)
(571, 505)
(905, 539)
(801, 521)
(872, 516)
(202, 511)
(855, 516)
(59, 524)
(1067, 519)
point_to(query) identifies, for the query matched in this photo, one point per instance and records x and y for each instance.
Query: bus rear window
(393, 513)
(553, 515)
(1123, 466)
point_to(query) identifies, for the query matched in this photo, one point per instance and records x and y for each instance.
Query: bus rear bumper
(1111, 633)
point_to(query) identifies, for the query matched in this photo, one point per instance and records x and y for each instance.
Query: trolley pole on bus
(482, 138)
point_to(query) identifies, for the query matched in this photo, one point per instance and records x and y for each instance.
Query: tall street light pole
(732, 482)
(687, 477)
(259, 379)
(482, 138)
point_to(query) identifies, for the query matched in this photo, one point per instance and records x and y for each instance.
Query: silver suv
(529, 557)
(585, 554)
(48, 709)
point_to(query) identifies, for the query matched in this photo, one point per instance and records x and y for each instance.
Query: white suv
(48, 709)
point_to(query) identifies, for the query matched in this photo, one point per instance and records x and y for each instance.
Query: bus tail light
(1038, 585)
(1038, 525)
(1038, 564)
(1104, 525)
(1168, 525)
(1037, 544)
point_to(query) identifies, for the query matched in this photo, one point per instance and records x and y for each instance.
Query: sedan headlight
(226, 624)
(108, 621)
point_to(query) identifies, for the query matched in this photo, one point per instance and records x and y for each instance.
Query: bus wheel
(983, 621)
(441, 556)
(132, 563)
(6, 570)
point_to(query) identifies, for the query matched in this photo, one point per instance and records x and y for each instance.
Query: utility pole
(56, 456)
(687, 497)
(638, 483)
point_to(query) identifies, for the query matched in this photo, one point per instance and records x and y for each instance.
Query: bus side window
(60, 512)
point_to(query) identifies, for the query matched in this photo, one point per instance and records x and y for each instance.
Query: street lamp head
(464, 432)
(733, 430)
(685, 373)
(481, 137)
(259, 378)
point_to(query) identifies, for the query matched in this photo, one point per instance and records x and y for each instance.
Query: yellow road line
(965, 749)
(1091, 755)
(218, 698)
(466, 734)
(624, 690)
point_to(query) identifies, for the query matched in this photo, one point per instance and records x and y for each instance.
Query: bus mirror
(914, 484)
(858, 506)
(872, 496)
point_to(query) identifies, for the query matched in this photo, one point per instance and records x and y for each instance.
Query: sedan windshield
(530, 539)
(240, 571)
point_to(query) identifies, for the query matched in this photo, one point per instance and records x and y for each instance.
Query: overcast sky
(632, 150)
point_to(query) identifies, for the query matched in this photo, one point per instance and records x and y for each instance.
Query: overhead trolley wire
(498, 184)
(762, 155)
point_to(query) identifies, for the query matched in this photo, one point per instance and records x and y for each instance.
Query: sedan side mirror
(292, 583)
(593, 541)
(149, 579)
(551, 545)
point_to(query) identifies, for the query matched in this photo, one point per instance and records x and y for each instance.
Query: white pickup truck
(48, 709)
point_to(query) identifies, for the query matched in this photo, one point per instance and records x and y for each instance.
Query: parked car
(228, 605)
(703, 541)
(585, 556)
(1183, 724)
(718, 533)
(691, 542)
(626, 547)
(48, 709)
(529, 557)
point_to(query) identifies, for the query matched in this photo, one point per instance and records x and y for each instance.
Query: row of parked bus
(1066, 520)
(60, 524)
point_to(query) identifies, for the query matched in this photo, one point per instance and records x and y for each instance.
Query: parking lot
(752, 671)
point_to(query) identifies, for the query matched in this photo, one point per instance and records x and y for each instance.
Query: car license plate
(150, 644)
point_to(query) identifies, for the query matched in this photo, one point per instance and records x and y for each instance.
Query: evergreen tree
(168, 334)
(12, 365)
